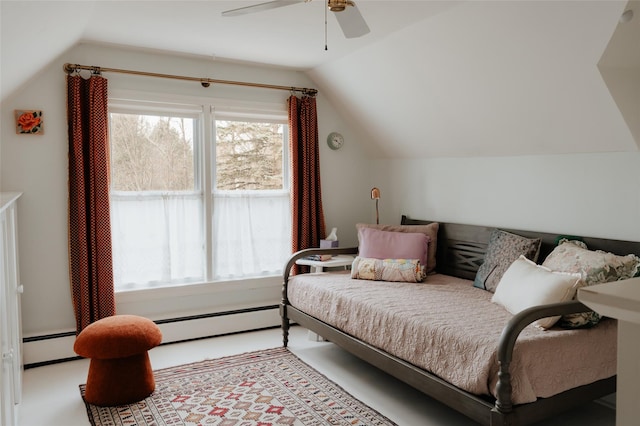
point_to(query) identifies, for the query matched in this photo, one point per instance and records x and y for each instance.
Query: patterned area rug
(265, 388)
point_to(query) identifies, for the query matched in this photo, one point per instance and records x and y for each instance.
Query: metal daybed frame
(460, 251)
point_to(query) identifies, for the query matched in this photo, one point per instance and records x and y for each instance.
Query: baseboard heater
(58, 347)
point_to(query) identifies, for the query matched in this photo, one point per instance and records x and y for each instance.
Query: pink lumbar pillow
(377, 244)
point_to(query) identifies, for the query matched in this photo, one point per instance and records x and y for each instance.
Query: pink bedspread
(446, 326)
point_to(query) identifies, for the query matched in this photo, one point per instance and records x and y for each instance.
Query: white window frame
(208, 110)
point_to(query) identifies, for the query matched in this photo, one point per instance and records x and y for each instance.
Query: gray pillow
(503, 249)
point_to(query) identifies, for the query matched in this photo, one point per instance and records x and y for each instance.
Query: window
(251, 209)
(198, 193)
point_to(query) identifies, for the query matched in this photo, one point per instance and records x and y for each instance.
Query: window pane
(157, 238)
(156, 204)
(249, 155)
(151, 153)
(251, 233)
(251, 211)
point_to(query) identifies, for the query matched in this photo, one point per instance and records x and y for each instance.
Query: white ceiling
(291, 36)
(433, 78)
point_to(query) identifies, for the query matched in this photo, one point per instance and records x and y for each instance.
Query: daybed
(452, 340)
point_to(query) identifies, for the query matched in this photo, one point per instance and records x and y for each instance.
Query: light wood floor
(51, 396)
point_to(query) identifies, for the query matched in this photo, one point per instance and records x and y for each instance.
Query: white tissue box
(328, 244)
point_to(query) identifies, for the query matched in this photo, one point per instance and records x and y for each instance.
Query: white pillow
(526, 284)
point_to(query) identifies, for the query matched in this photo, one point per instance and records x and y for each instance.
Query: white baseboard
(51, 349)
(59, 347)
(216, 326)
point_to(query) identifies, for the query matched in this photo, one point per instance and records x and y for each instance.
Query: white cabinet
(621, 300)
(10, 320)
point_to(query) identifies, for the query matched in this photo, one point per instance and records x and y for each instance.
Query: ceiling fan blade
(260, 7)
(352, 23)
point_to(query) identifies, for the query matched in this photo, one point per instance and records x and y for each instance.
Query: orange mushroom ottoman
(120, 371)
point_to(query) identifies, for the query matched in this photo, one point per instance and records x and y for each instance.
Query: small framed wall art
(29, 122)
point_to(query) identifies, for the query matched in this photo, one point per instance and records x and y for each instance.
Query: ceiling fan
(346, 12)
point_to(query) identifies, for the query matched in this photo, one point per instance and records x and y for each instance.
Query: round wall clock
(335, 140)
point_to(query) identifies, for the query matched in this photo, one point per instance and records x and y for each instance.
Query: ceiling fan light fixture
(339, 5)
(350, 19)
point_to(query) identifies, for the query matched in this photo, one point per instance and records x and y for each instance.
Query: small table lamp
(375, 195)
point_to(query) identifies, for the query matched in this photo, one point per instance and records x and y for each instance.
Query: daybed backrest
(461, 248)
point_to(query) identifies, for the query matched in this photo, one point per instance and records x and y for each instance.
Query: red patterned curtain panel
(306, 195)
(89, 222)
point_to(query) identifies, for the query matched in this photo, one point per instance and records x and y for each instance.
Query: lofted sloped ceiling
(487, 79)
(35, 32)
(620, 66)
(432, 79)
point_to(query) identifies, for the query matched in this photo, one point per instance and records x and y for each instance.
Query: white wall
(37, 166)
(477, 116)
(596, 195)
(589, 194)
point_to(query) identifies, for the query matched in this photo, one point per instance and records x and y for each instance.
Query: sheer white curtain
(158, 238)
(251, 233)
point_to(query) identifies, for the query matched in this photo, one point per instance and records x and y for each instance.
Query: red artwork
(29, 122)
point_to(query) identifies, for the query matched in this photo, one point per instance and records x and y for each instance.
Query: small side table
(319, 265)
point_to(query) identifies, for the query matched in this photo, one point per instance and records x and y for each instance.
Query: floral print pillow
(596, 267)
(398, 270)
(504, 248)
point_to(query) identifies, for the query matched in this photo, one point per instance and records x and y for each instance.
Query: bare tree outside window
(151, 153)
